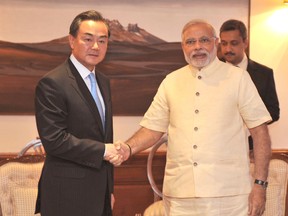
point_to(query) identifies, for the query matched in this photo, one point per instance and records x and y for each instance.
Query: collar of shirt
(83, 71)
(244, 63)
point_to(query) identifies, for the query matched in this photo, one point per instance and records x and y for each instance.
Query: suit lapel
(79, 85)
(251, 67)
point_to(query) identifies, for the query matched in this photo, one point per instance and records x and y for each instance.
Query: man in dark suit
(77, 178)
(234, 42)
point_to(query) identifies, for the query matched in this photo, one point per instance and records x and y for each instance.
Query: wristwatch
(264, 184)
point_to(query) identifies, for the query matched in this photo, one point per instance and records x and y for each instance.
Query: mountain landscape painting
(136, 63)
(143, 48)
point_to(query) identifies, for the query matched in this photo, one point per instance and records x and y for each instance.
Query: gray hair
(196, 22)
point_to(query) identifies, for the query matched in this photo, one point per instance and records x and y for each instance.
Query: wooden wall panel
(132, 190)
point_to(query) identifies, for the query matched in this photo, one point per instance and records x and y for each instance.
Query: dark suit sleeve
(263, 79)
(270, 99)
(65, 124)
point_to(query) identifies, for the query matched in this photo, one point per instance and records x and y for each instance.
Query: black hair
(87, 15)
(231, 25)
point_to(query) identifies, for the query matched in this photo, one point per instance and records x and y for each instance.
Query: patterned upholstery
(277, 188)
(18, 185)
(24, 200)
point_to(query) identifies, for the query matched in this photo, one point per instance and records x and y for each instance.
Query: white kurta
(204, 113)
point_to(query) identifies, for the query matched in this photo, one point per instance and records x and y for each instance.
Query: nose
(95, 45)
(226, 48)
(197, 45)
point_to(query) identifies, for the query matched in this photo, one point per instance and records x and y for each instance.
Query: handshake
(117, 153)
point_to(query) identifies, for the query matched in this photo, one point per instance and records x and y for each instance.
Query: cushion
(155, 209)
(277, 187)
(24, 200)
(18, 180)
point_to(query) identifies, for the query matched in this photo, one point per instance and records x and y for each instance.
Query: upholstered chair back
(18, 185)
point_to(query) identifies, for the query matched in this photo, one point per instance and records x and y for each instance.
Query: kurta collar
(207, 70)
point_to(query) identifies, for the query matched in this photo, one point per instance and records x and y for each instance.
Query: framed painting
(144, 46)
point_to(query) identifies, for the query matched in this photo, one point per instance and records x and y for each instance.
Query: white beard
(200, 63)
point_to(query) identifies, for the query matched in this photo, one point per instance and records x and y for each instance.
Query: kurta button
(195, 128)
(195, 146)
(197, 93)
(199, 77)
(195, 163)
(196, 111)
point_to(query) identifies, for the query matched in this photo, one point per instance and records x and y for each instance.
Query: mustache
(201, 52)
(229, 53)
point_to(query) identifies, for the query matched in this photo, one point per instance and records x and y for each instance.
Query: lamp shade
(285, 1)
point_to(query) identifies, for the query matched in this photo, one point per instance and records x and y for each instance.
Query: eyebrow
(229, 41)
(91, 35)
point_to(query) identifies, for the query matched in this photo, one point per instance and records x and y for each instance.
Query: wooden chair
(19, 178)
(35, 144)
(276, 198)
(156, 208)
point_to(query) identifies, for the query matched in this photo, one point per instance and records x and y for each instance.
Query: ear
(71, 41)
(182, 45)
(246, 43)
(217, 42)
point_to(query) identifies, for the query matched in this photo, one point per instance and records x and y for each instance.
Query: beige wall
(269, 46)
(16, 131)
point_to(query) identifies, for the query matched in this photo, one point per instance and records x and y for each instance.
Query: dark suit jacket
(75, 179)
(263, 79)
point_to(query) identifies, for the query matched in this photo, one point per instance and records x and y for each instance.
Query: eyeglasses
(203, 41)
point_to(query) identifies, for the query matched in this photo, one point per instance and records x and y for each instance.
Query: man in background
(234, 42)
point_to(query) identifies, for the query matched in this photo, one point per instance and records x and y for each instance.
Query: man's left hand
(257, 200)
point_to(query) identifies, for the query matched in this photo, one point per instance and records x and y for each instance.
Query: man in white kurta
(207, 153)
(205, 107)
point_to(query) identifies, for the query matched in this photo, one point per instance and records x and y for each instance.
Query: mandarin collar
(207, 70)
